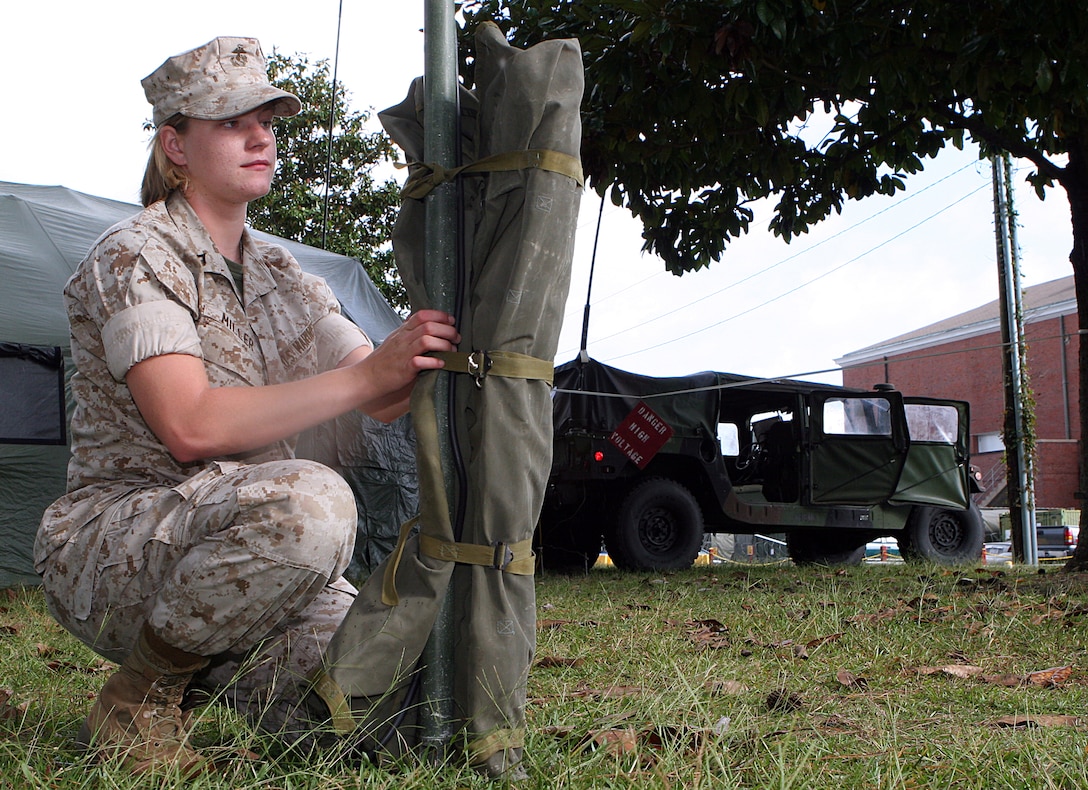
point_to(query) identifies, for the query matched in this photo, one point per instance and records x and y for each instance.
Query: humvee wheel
(826, 547)
(658, 527)
(947, 537)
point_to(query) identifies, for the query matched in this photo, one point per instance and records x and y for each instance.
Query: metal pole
(1019, 484)
(440, 241)
(1027, 469)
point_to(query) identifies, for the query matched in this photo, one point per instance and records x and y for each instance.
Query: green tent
(46, 231)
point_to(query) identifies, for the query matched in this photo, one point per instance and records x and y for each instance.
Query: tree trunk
(1075, 181)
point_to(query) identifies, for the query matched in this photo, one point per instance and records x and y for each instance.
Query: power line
(894, 360)
(802, 285)
(799, 253)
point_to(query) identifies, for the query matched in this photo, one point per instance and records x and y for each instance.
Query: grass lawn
(764, 676)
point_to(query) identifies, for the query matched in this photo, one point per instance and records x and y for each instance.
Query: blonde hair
(161, 176)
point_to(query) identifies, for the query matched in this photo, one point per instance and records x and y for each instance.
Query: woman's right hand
(392, 368)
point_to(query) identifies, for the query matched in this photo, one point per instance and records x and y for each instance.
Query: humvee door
(936, 470)
(857, 447)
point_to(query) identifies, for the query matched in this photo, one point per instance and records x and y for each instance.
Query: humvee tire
(658, 526)
(946, 537)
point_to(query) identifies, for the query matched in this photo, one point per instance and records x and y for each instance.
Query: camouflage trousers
(241, 563)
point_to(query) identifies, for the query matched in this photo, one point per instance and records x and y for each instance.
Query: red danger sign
(641, 434)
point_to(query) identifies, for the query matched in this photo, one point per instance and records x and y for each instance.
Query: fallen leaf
(876, 617)
(1012, 681)
(823, 640)
(546, 662)
(1037, 721)
(956, 670)
(9, 711)
(616, 742)
(1049, 678)
(557, 731)
(68, 666)
(709, 633)
(837, 724)
(1044, 678)
(921, 600)
(709, 624)
(725, 687)
(546, 625)
(608, 693)
(850, 680)
(783, 700)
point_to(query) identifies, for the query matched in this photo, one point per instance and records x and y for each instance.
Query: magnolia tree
(695, 109)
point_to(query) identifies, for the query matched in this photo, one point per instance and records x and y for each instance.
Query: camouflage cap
(223, 79)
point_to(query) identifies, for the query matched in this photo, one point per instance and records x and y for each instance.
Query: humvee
(649, 466)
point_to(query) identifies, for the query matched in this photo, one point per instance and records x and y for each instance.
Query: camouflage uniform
(236, 558)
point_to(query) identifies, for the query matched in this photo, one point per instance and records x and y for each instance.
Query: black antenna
(583, 354)
(332, 121)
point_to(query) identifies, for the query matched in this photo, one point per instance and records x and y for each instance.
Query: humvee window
(857, 417)
(729, 438)
(929, 422)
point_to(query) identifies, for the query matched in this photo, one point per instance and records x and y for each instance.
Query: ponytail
(161, 177)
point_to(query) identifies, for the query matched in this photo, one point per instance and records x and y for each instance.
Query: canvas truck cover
(691, 404)
(687, 404)
(518, 233)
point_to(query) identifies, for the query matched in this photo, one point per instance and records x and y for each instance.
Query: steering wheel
(749, 454)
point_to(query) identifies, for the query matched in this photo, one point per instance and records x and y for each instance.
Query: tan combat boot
(137, 716)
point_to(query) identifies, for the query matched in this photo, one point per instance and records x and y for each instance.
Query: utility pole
(1017, 459)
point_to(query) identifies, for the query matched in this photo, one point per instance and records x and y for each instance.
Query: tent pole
(440, 244)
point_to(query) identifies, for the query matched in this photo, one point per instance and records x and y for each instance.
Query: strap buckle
(503, 556)
(479, 363)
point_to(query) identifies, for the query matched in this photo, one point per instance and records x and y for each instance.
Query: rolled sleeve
(146, 330)
(336, 338)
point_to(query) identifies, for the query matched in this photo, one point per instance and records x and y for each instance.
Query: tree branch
(1015, 145)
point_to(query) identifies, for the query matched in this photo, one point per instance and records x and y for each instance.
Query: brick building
(961, 358)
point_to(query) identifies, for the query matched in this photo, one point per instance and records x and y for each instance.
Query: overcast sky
(73, 112)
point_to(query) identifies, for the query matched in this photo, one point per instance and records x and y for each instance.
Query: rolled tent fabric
(521, 125)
